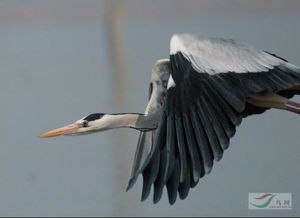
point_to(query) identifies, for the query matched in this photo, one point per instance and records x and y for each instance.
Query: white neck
(129, 120)
(121, 120)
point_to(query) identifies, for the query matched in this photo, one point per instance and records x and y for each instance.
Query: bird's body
(197, 98)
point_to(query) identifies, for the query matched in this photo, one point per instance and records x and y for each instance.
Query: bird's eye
(85, 123)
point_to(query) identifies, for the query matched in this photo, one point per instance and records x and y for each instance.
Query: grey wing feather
(144, 150)
(199, 112)
(217, 55)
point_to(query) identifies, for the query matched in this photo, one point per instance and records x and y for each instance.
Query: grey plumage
(216, 55)
(200, 95)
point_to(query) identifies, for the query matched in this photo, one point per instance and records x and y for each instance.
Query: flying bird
(197, 98)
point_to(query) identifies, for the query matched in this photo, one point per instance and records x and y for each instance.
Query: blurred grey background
(63, 59)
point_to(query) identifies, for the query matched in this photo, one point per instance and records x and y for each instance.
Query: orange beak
(69, 129)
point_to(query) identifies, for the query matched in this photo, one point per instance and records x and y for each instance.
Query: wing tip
(131, 183)
(145, 195)
(158, 192)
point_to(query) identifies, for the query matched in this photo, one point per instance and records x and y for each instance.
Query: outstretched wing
(157, 94)
(209, 83)
(216, 55)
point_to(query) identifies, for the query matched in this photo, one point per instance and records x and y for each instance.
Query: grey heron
(197, 98)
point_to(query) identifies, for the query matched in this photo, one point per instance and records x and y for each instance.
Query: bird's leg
(273, 100)
(292, 103)
(295, 104)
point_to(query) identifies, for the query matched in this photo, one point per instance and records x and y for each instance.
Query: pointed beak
(66, 130)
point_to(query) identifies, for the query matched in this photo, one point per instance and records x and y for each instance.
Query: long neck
(131, 120)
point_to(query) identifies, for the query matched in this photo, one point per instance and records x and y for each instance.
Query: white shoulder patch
(171, 82)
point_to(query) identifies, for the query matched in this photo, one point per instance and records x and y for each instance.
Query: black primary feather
(202, 142)
(214, 129)
(173, 183)
(199, 116)
(182, 146)
(196, 159)
(211, 138)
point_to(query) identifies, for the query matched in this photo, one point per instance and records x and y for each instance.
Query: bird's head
(89, 124)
